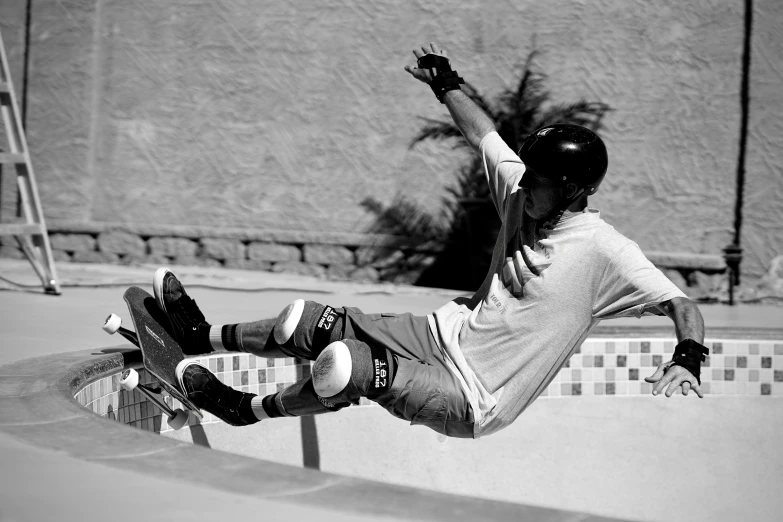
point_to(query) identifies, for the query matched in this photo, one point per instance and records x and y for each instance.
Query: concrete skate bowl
(595, 445)
(597, 441)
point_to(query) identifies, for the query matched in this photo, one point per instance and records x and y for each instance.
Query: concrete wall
(763, 226)
(271, 115)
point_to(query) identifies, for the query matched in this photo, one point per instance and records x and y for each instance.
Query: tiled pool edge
(602, 366)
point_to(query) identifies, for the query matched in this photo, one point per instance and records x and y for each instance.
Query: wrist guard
(689, 354)
(443, 78)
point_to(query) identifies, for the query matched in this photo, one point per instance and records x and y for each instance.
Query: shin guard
(300, 399)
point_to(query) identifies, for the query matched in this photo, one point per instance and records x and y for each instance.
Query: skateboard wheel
(129, 379)
(112, 324)
(179, 419)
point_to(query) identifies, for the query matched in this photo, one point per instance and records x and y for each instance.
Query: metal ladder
(30, 232)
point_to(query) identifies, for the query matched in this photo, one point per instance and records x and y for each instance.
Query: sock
(202, 337)
(224, 337)
(258, 408)
(246, 411)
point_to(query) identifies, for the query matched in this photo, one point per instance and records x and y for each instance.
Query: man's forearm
(688, 322)
(471, 120)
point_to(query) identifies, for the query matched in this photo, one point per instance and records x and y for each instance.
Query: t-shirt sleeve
(503, 169)
(632, 286)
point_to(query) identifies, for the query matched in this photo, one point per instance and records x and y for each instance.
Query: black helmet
(567, 153)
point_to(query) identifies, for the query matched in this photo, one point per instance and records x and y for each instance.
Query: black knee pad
(347, 370)
(305, 328)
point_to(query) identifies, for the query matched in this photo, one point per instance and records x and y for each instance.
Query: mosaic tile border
(601, 366)
(616, 366)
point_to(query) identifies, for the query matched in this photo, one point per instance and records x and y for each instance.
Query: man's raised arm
(432, 67)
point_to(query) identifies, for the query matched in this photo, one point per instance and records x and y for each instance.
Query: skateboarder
(472, 366)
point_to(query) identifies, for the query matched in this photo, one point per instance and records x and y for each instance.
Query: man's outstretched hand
(673, 376)
(424, 75)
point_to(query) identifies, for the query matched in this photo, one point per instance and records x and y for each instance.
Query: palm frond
(446, 129)
(521, 107)
(436, 130)
(471, 182)
(587, 114)
(478, 99)
(406, 219)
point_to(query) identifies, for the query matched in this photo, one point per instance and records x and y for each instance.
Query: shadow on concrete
(310, 451)
(199, 435)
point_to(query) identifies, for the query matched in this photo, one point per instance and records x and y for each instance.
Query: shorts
(424, 390)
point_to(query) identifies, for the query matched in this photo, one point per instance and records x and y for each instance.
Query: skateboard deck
(159, 351)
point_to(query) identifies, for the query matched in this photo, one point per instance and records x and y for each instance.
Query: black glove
(689, 354)
(443, 78)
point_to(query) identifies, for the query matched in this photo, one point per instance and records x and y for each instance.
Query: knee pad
(306, 327)
(346, 370)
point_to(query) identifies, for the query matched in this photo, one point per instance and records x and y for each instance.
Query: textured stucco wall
(12, 25)
(762, 230)
(286, 115)
(259, 114)
(671, 71)
(61, 82)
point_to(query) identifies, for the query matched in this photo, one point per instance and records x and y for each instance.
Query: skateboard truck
(129, 379)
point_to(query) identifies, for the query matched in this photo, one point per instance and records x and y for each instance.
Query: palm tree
(464, 233)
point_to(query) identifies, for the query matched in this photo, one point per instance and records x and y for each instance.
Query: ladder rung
(19, 229)
(10, 157)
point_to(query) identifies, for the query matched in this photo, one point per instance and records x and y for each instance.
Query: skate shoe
(188, 325)
(206, 391)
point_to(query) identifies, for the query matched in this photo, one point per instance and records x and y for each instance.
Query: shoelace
(215, 393)
(188, 313)
(222, 399)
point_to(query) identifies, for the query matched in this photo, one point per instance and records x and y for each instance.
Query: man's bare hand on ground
(424, 75)
(673, 376)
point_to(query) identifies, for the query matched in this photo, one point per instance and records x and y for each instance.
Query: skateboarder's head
(565, 163)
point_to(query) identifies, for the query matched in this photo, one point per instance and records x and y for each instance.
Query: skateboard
(159, 351)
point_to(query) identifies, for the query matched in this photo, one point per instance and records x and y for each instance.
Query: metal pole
(26, 61)
(733, 252)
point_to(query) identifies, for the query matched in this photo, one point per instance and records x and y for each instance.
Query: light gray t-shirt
(537, 305)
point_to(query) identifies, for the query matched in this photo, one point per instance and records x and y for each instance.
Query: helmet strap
(561, 209)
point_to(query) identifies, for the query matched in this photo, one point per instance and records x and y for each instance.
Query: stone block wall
(346, 258)
(357, 260)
